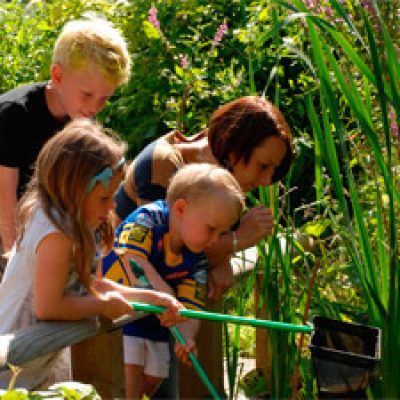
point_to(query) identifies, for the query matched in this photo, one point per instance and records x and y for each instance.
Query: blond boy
(168, 239)
(90, 60)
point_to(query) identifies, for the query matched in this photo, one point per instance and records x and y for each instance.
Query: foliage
(29, 30)
(358, 72)
(63, 390)
(332, 66)
(162, 95)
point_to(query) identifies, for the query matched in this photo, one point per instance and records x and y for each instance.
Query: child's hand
(182, 351)
(115, 305)
(171, 315)
(103, 285)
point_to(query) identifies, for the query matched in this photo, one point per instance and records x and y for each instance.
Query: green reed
(359, 79)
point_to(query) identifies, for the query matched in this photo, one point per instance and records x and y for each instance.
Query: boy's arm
(191, 292)
(189, 330)
(8, 205)
(151, 274)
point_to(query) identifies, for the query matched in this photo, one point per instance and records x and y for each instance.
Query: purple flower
(310, 3)
(223, 28)
(152, 17)
(327, 11)
(393, 124)
(367, 4)
(184, 61)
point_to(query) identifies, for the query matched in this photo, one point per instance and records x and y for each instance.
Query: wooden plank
(263, 350)
(209, 339)
(42, 338)
(99, 361)
(210, 355)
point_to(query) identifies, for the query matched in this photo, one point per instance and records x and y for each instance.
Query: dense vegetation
(332, 66)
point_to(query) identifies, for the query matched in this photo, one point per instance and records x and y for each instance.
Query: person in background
(167, 239)
(250, 138)
(90, 60)
(64, 227)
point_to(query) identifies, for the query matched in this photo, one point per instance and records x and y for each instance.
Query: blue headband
(104, 176)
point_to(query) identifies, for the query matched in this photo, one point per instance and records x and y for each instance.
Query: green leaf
(316, 228)
(150, 31)
(178, 71)
(76, 391)
(16, 394)
(45, 394)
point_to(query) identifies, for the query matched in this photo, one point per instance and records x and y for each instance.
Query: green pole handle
(196, 364)
(234, 319)
(176, 333)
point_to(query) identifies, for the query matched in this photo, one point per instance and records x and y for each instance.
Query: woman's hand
(219, 279)
(182, 351)
(114, 305)
(257, 223)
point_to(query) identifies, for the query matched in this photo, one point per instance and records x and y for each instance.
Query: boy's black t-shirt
(25, 125)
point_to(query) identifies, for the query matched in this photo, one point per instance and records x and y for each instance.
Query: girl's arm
(53, 258)
(168, 318)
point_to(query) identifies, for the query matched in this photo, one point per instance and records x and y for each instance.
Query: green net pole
(176, 333)
(199, 369)
(258, 323)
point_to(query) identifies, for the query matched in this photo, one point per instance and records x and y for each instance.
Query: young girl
(64, 226)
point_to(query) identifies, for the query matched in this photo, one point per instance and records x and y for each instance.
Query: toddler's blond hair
(196, 181)
(93, 43)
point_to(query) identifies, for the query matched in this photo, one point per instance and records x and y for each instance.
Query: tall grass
(355, 63)
(288, 275)
(357, 66)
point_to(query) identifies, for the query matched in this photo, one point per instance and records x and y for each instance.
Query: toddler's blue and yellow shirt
(145, 233)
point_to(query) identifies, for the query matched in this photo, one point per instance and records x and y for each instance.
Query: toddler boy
(167, 239)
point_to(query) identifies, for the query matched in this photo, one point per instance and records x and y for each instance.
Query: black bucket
(344, 356)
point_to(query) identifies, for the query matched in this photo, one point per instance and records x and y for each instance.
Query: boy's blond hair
(197, 181)
(94, 42)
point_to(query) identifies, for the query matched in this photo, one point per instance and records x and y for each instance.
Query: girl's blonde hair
(94, 42)
(197, 180)
(65, 166)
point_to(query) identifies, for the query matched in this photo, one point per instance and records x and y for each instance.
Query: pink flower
(367, 4)
(223, 28)
(310, 3)
(393, 124)
(184, 61)
(327, 11)
(152, 17)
